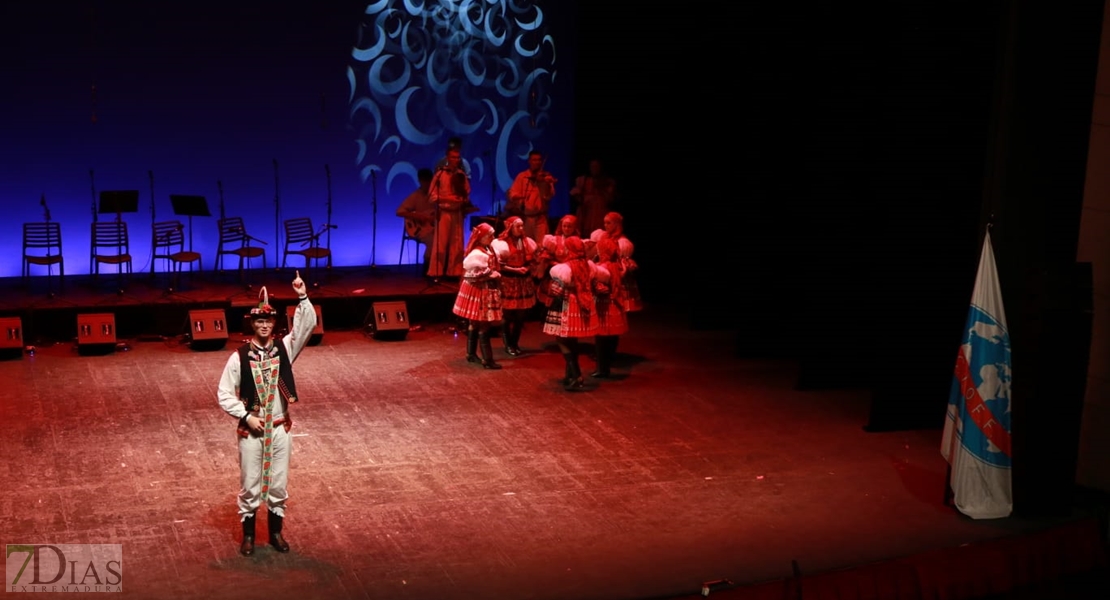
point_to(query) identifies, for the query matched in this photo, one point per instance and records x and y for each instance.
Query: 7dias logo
(63, 568)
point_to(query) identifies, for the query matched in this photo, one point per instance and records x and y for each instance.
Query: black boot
(507, 337)
(276, 540)
(487, 351)
(518, 328)
(247, 547)
(573, 381)
(604, 357)
(472, 345)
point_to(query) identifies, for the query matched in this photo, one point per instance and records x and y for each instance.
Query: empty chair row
(110, 244)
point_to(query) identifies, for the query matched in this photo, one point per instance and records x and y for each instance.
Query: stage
(155, 306)
(418, 475)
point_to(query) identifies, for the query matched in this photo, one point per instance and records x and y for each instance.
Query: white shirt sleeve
(561, 272)
(228, 390)
(477, 262)
(626, 247)
(304, 321)
(500, 248)
(603, 275)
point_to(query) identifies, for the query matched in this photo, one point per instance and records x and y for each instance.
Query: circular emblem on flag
(987, 347)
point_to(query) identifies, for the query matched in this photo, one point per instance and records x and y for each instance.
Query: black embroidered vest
(287, 387)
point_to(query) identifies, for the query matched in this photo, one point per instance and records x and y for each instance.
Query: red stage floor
(418, 475)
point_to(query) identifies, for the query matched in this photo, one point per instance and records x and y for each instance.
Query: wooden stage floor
(417, 475)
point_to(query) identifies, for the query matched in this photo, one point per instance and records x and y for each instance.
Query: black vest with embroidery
(287, 387)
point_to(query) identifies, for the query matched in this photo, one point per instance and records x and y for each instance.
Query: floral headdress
(263, 309)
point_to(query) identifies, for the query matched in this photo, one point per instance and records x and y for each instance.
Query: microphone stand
(374, 223)
(92, 183)
(153, 219)
(49, 254)
(327, 227)
(310, 263)
(327, 173)
(49, 249)
(277, 218)
(169, 293)
(495, 207)
(220, 189)
(51, 298)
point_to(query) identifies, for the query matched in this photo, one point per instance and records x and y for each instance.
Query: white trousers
(250, 472)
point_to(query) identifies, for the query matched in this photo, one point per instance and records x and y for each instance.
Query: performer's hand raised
(298, 285)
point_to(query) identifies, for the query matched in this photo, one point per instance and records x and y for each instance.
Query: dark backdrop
(816, 179)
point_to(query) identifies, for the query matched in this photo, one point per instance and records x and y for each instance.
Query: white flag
(976, 440)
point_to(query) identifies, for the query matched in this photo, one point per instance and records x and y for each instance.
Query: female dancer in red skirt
(611, 320)
(516, 253)
(613, 229)
(573, 311)
(553, 251)
(479, 298)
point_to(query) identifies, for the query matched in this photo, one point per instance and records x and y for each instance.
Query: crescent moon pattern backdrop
(424, 71)
(247, 102)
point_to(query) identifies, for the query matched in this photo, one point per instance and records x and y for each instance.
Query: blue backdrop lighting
(271, 111)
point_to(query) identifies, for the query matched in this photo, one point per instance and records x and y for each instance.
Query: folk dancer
(611, 320)
(479, 297)
(516, 254)
(256, 388)
(613, 229)
(573, 314)
(553, 251)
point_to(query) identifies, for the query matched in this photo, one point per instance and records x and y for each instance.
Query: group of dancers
(586, 285)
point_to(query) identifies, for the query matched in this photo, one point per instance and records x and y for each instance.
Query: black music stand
(185, 205)
(118, 202)
(190, 206)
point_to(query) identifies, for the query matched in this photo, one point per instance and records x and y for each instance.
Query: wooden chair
(299, 234)
(42, 245)
(168, 244)
(235, 241)
(111, 245)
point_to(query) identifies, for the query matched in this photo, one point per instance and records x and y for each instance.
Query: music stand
(190, 206)
(118, 202)
(185, 205)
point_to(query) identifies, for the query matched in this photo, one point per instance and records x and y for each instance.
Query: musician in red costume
(530, 195)
(593, 194)
(449, 192)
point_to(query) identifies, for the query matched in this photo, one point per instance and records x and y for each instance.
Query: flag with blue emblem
(976, 439)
